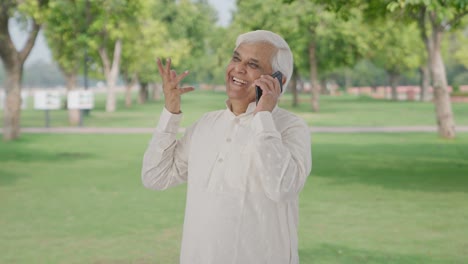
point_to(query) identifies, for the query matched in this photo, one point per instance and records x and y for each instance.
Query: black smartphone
(277, 75)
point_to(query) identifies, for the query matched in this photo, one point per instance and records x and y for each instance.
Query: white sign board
(47, 100)
(80, 99)
(24, 100)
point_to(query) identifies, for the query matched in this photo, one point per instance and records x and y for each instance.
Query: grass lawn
(371, 198)
(335, 111)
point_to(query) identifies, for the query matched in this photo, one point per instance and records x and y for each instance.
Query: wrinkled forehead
(259, 51)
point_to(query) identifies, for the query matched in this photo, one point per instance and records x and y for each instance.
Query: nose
(240, 68)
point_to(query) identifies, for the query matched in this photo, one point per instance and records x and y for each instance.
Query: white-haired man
(244, 165)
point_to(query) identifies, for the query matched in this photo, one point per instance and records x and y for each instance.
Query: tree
(434, 19)
(329, 41)
(109, 22)
(279, 18)
(65, 32)
(31, 13)
(395, 47)
(154, 41)
(461, 51)
(195, 22)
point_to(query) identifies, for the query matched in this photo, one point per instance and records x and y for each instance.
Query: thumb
(186, 90)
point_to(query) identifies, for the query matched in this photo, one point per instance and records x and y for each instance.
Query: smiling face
(248, 62)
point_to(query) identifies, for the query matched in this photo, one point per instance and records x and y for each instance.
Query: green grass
(372, 198)
(335, 111)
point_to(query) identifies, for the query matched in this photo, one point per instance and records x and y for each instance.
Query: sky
(41, 52)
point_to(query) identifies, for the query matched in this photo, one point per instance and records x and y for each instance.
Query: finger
(276, 86)
(181, 76)
(160, 66)
(168, 64)
(264, 84)
(274, 83)
(173, 74)
(186, 90)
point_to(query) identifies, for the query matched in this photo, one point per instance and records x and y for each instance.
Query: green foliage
(461, 78)
(148, 39)
(460, 41)
(191, 24)
(365, 73)
(34, 9)
(76, 27)
(187, 32)
(65, 32)
(337, 42)
(445, 15)
(396, 47)
(184, 31)
(110, 21)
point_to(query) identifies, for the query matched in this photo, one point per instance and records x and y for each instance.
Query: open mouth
(238, 81)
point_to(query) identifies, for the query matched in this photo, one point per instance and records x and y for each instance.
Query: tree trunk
(293, 87)
(128, 91)
(425, 82)
(323, 87)
(73, 114)
(315, 91)
(111, 71)
(156, 91)
(348, 79)
(443, 105)
(393, 79)
(13, 61)
(12, 107)
(144, 93)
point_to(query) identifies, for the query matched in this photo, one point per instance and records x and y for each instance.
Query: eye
(235, 58)
(253, 65)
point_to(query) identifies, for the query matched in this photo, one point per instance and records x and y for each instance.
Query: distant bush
(459, 93)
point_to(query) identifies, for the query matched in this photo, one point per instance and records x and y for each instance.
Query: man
(244, 166)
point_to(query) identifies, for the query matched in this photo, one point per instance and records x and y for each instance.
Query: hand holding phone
(258, 90)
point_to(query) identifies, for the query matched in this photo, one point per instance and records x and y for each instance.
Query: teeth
(239, 80)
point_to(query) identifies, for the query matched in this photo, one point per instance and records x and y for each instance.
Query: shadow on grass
(12, 157)
(40, 156)
(422, 167)
(330, 253)
(8, 177)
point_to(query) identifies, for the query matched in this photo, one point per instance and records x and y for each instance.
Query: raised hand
(171, 89)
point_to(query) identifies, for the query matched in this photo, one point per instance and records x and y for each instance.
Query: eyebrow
(252, 59)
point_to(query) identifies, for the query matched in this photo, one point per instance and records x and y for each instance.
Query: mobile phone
(258, 90)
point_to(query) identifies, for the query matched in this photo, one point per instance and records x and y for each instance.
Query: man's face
(248, 62)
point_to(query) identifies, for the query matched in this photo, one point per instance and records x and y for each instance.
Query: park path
(126, 130)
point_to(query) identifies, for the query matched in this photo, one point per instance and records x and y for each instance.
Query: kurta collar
(250, 108)
(248, 111)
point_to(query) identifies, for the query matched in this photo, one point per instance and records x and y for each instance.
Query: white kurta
(244, 175)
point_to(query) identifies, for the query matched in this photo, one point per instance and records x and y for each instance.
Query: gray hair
(282, 60)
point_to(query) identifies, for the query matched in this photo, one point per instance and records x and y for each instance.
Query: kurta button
(228, 139)
(220, 160)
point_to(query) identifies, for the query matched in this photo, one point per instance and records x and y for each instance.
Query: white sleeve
(284, 160)
(166, 158)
